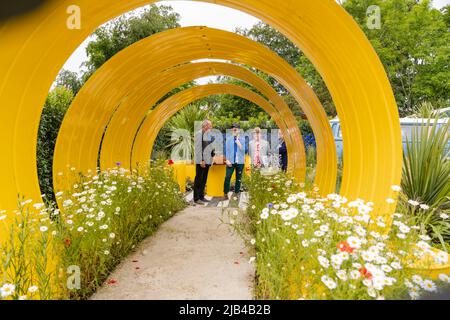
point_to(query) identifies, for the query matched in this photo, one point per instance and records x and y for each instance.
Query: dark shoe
(199, 202)
(224, 198)
(205, 200)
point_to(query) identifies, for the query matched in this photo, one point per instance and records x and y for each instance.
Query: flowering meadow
(311, 247)
(68, 251)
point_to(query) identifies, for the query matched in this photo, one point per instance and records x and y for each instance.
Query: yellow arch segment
(156, 119)
(122, 128)
(33, 48)
(83, 126)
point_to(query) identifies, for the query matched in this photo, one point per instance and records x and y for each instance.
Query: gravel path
(192, 256)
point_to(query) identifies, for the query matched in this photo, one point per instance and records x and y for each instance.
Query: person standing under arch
(203, 162)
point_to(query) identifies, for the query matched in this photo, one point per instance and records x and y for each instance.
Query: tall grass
(426, 176)
(101, 220)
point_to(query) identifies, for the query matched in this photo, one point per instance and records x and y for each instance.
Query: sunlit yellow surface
(33, 49)
(112, 88)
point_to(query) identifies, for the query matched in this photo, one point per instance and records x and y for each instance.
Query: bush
(426, 174)
(56, 105)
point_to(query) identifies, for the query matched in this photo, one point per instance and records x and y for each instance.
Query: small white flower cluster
(353, 250)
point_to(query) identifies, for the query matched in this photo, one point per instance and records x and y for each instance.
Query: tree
(56, 105)
(234, 106)
(276, 41)
(69, 80)
(126, 30)
(413, 47)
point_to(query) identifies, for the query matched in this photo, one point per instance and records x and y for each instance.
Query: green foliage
(277, 42)
(308, 247)
(126, 30)
(56, 105)
(413, 47)
(184, 120)
(262, 120)
(426, 176)
(237, 106)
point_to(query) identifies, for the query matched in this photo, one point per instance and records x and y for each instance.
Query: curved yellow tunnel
(128, 116)
(153, 123)
(33, 48)
(84, 124)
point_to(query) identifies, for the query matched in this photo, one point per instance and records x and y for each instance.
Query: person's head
(235, 128)
(257, 133)
(206, 125)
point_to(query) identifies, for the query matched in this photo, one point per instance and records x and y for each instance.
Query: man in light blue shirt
(235, 159)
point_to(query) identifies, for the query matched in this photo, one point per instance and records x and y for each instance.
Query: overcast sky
(198, 13)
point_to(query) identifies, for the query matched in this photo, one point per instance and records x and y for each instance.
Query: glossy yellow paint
(83, 126)
(33, 48)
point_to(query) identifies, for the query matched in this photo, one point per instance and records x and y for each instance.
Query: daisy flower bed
(68, 251)
(311, 247)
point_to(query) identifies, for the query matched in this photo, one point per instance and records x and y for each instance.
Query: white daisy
(444, 278)
(33, 289)
(330, 283)
(324, 262)
(7, 290)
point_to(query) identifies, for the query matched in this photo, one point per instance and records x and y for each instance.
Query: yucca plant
(426, 173)
(424, 110)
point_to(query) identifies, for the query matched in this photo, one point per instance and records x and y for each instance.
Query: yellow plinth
(190, 172)
(179, 169)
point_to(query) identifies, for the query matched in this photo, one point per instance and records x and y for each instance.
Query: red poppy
(112, 281)
(345, 247)
(170, 162)
(365, 273)
(67, 242)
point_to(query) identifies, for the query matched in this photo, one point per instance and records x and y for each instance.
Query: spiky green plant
(185, 120)
(424, 110)
(426, 176)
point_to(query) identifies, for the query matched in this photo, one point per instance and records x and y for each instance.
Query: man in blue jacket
(235, 159)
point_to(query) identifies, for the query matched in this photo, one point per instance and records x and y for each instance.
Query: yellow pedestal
(179, 169)
(190, 172)
(216, 178)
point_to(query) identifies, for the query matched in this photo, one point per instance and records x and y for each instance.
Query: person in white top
(259, 149)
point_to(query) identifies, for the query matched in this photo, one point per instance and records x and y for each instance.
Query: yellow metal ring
(153, 123)
(83, 127)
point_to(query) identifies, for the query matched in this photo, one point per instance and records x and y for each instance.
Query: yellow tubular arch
(122, 128)
(153, 123)
(34, 47)
(83, 126)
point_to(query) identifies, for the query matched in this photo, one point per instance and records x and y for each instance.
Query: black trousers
(201, 176)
